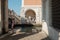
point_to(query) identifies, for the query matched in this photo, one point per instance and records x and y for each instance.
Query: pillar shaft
(0, 19)
(4, 13)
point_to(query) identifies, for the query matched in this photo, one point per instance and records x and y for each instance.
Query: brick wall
(32, 2)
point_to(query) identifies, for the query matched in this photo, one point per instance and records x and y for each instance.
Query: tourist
(13, 23)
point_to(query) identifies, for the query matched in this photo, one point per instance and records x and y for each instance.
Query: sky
(15, 5)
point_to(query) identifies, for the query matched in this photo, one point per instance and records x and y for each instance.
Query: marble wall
(37, 11)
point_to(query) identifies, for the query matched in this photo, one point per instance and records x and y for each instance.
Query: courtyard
(19, 35)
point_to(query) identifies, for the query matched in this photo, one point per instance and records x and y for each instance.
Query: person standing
(13, 23)
(9, 23)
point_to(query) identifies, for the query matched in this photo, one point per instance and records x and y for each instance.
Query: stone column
(0, 19)
(6, 15)
(4, 12)
(46, 10)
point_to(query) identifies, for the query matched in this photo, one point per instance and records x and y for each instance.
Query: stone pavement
(26, 36)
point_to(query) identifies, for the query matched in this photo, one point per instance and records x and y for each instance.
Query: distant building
(32, 10)
(12, 14)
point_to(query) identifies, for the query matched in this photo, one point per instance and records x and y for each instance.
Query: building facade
(12, 14)
(31, 9)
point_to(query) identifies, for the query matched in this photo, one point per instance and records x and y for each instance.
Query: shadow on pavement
(17, 37)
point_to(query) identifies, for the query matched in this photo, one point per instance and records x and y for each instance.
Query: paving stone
(26, 36)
